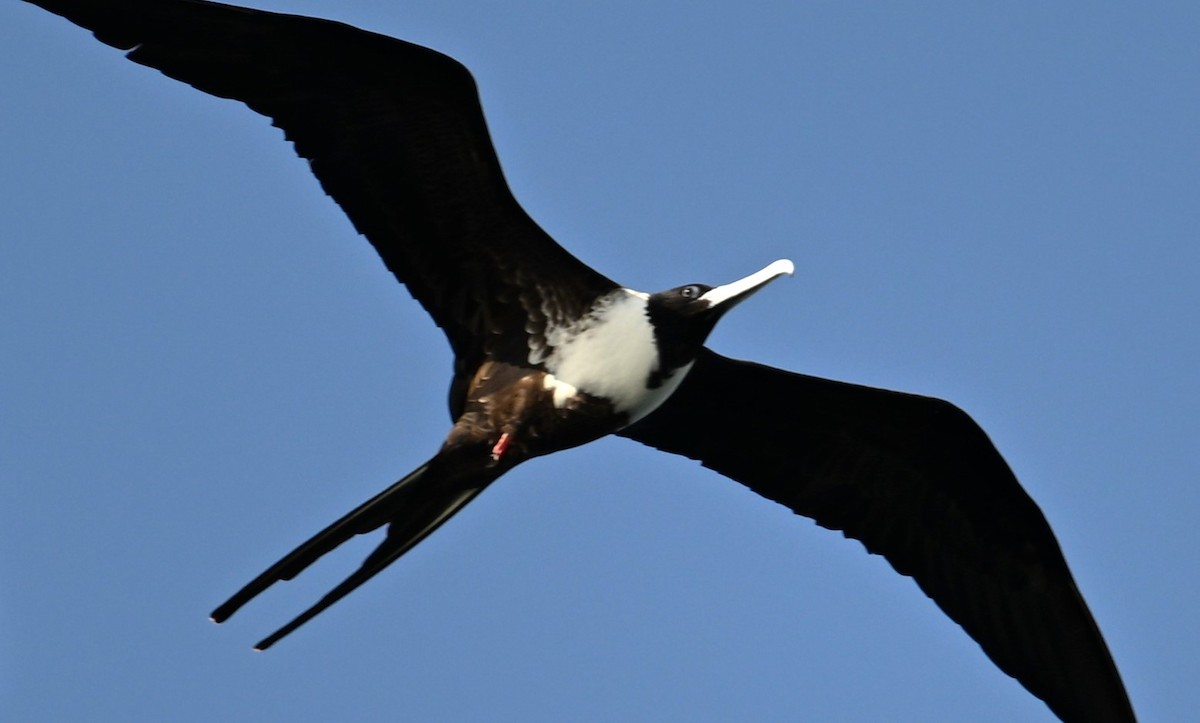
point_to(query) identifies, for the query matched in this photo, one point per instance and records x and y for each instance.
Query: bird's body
(549, 354)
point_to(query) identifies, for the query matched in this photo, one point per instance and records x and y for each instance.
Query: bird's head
(684, 316)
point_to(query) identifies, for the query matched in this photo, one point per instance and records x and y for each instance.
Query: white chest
(611, 354)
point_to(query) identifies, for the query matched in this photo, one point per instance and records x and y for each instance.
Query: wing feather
(396, 135)
(917, 481)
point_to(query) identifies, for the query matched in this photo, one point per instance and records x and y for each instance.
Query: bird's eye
(690, 292)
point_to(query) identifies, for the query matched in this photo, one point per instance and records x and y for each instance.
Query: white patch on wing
(563, 392)
(610, 353)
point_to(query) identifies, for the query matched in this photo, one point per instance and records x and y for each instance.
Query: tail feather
(413, 508)
(402, 537)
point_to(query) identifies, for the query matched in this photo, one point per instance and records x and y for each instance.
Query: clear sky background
(201, 364)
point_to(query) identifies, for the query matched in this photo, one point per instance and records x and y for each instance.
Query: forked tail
(412, 508)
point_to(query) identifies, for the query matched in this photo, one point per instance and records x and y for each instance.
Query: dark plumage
(395, 134)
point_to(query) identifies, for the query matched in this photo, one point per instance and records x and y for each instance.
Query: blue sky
(201, 364)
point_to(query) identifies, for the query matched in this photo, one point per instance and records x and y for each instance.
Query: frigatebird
(550, 354)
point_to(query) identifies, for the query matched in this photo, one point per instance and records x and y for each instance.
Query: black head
(684, 316)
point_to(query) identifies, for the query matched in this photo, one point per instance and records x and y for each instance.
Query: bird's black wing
(395, 134)
(917, 481)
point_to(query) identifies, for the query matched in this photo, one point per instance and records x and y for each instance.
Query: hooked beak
(725, 297)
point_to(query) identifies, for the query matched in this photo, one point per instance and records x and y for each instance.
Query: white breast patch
(611, 353)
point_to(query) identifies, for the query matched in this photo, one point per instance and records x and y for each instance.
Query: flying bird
(550, 354)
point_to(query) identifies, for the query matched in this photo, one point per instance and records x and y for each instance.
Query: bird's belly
(628, 392)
